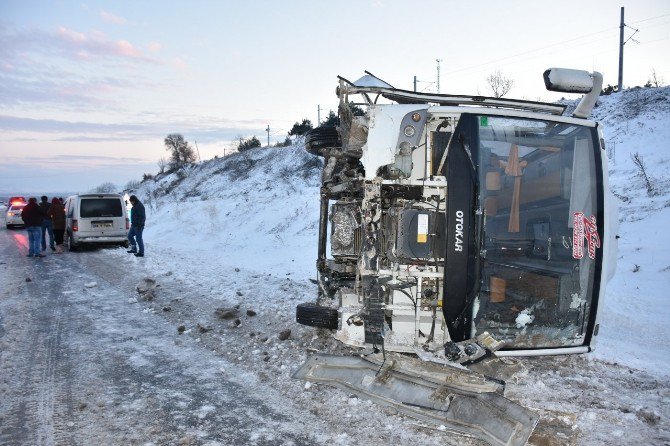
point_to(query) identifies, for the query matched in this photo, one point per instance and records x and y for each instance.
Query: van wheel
(315, 315)
(69, 245)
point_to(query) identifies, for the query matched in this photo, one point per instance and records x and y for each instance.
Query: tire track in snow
(204, 395)
(142, 382)
(16, 414)
(33, 420)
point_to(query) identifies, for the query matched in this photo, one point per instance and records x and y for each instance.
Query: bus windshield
(538, 190)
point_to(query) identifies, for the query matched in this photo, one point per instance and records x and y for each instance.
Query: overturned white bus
(456, 226)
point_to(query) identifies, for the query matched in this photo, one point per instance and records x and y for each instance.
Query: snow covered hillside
(634, 323)
(258, 210)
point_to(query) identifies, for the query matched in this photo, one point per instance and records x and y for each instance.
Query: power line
(650, 18)
(569, 48)
(530, 51)
(427, 86)
(610, 48)
(652, 41)
(550, 46)
(520, 63)
(648, 27)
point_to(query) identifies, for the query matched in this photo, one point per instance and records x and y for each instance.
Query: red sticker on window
(584, 228)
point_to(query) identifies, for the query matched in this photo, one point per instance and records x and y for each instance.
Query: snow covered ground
(636, 314)
(256, 210)
(242, 229)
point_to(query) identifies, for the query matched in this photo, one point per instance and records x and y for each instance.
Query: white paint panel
(385, 122)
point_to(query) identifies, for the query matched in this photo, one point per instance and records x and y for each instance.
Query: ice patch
(577, 301)
(524, 318)
(91, 284)
(205, 410)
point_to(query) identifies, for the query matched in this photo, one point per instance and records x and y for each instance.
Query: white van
(95, 218)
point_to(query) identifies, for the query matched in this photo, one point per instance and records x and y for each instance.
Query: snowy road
(81, 362)
(80, 365)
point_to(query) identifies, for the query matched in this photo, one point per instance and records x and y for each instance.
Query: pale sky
(89, 89)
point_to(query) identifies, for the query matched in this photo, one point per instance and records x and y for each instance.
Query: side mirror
(576, 81)
(566, 80)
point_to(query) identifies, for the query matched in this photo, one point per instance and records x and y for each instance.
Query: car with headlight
(13, 215)
(17, 200)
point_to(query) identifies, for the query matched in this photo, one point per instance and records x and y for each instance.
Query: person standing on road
(47, 224)
(137, 219)
(32, 216)
(57, 214)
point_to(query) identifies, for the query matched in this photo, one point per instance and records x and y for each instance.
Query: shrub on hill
(248, 144)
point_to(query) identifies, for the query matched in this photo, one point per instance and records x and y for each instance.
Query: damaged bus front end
(452, 227)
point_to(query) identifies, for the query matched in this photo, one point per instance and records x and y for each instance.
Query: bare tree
(132, 185)
(656, 79)
(181, 152)
(639, 162)
(105, 188)
(162, 164)
(500, 85)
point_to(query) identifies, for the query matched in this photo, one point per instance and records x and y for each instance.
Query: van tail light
(127, 224)
(75, 225)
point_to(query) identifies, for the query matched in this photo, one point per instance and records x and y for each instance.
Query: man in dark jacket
(32, 216)
(47, 224)
(137, 219)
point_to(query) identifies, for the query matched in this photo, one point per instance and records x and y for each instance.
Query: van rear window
(101, 207)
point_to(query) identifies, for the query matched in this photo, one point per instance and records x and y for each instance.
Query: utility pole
(438, 74)
(414, 84)
(318, 115)
(621, 27)
(268, 130)
(621, 45)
